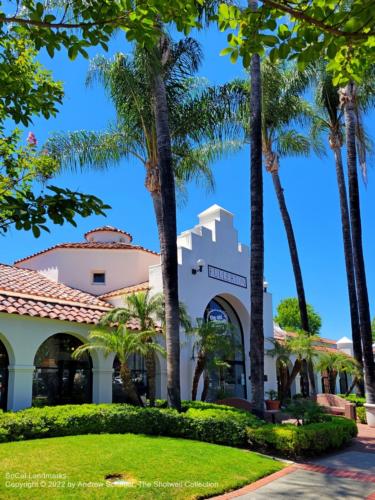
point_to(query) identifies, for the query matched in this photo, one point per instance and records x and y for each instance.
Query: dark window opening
(4, 362)
(98, 278)
(58, 378)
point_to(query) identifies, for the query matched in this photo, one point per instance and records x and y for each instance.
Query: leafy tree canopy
(55, 24)
(28, 90)
(20, 168)
(288, 316)
(341, 32)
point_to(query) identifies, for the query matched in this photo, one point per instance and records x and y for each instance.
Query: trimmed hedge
(305, 440)
(216, 424)
(200, 421)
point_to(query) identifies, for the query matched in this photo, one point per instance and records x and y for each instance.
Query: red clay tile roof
(26, 281)
(50, 309)
(29, 293)
(327, 349)
(280, 334)
(90, 245)
(140, 287)
(108, 228)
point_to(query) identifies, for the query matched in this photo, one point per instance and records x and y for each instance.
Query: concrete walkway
(349, 474)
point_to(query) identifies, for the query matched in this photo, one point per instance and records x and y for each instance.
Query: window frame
(93, 282)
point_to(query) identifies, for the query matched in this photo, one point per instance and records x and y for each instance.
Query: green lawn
(146, 461)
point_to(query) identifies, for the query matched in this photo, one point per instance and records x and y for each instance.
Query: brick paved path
(349, 475)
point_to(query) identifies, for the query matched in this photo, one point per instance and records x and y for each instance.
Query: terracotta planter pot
(273, 404)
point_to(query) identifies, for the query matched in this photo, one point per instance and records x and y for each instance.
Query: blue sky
(310, 190)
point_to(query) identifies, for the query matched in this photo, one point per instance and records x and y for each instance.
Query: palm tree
(302, 346)
(123, 343)
(282, 109)
(256, 233)
(214, 344)
(145, 309)
(349, 102)
(334, 363)
(175, 128)
(329, 119)
(149, 312)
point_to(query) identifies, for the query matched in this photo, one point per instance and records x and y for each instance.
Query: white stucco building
(50, 301)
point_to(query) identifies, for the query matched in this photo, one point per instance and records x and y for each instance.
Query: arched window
(58, 378)
(4, 363)
(139, 377)
(230, 380)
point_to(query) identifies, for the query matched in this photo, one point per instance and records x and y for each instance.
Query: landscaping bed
(305, 440)
(198, 421)
(147, 467)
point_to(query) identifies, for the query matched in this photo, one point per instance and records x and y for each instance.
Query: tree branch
(42, 24)
(298, 14)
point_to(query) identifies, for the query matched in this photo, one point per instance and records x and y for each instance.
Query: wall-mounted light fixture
(198, 268)
(265, 286)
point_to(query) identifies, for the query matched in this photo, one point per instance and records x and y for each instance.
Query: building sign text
(222, 275)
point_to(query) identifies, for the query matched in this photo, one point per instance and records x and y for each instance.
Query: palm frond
(194, 164)
(100, 150)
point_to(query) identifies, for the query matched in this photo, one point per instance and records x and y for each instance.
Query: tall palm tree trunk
(295, 264)
(128, 386)
(150, 363)
(348, 96)
(256, 236)
(348, 253)
(292, 250)
(152, 184)
(168, 242)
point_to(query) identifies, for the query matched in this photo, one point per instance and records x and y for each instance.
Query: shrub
(354, 399)
(361, 414)
(359, 402)
(211, 423)
(306, 412)
(305, 440)
(200, 421)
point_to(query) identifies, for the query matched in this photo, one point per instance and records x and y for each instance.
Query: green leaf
(226, 51)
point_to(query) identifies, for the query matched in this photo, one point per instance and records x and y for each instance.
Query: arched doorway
(58, 378)
(230, 380)
(4, 375)
(139, 378)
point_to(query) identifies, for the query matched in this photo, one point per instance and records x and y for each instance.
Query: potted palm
(273, 402)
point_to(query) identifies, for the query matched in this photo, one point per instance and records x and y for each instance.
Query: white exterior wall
(74, 267)
(23, 335)
(215, 241)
